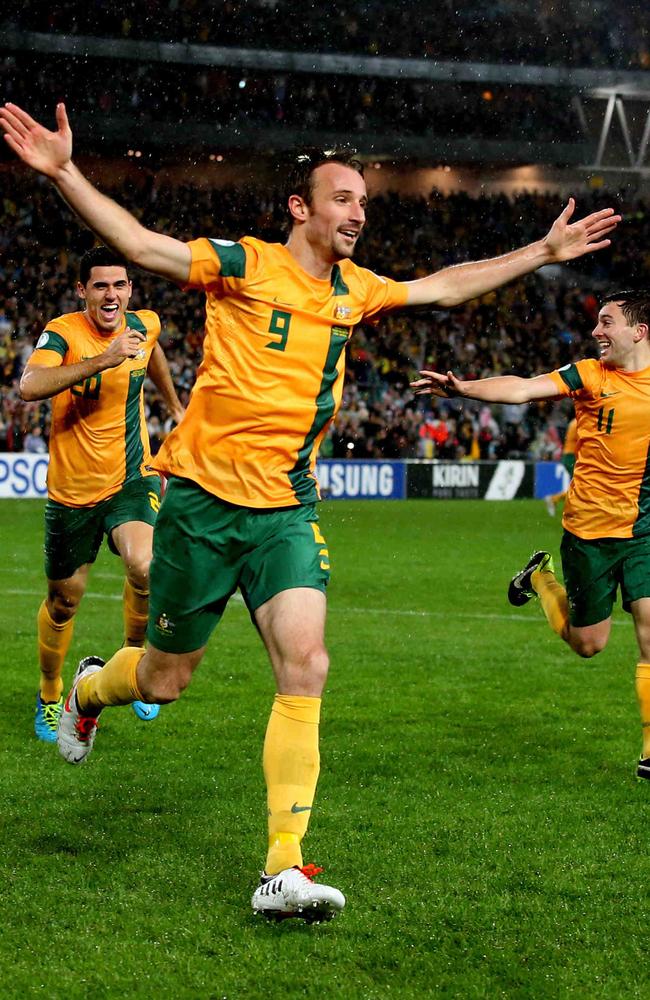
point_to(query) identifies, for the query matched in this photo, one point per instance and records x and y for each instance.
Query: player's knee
(306, 672)
(319, 664)
(137, 572)
(162, 688)
(62, 606)
(586, 648)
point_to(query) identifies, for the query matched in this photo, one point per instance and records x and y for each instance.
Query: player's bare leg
(537, 579)
(589, 640)
(131, 674)
(292, 625)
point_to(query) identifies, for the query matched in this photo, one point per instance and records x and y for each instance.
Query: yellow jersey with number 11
(609, 494)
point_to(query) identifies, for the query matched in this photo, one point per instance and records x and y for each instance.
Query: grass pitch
(477, 801)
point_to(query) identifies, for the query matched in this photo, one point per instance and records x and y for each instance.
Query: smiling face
(331, 222)
(107, 293)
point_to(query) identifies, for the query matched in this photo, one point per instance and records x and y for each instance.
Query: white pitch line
(97, 574)
(89, 593)
(391, 612)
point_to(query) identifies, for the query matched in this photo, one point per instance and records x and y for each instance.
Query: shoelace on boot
(310, 871)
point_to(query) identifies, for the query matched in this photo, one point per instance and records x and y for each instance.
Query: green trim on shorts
(73, 535)
(595, 569)
(204, 549)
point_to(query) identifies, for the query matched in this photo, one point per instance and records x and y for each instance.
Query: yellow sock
(291, 766)
(135, 609)
(115, 684)
(553, 599)
(643, 694)
(53, 644)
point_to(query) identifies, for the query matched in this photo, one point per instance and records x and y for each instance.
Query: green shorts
(594, 569)
(569, 462)
(204, 549)
(73, 535)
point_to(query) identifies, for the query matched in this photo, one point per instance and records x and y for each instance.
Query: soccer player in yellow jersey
(92, 364)
(240, 507)
(606, 521)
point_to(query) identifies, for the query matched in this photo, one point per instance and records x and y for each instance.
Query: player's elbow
(28, 391)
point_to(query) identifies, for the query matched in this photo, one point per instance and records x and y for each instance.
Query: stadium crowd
(150, 92)
(574, 33)
(531, 326)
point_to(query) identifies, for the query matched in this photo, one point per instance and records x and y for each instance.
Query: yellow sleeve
(562, 387)
(220, 264)
(578, 380)
(382, 294)
(51, 348)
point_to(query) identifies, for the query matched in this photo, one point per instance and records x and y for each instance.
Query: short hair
(99, 257)
(300, 173)
(634, 303)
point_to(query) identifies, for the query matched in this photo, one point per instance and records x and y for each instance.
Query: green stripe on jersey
(135, 323)
(338, 284)
(232, 258)
(51, 341)
(571, 377)
(133, 450)
(303, 485)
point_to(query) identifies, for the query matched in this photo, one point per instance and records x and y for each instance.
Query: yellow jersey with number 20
(98, 438)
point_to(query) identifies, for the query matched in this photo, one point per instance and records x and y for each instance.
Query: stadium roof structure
(616, 141)
(616, 98)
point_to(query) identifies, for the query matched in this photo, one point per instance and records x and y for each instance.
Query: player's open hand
(127, 345)
(437, 384)
(566, 240)
(41, 149)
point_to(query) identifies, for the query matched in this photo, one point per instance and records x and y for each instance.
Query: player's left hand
(566, 240)
(437, 384)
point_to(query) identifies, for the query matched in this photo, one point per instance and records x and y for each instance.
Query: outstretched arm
(50, 153)
(564, 241)
(500, 389)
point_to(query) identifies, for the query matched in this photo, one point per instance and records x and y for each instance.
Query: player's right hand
(127, 345)
(36, 146)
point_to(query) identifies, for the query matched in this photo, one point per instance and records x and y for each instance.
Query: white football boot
(292, 893)
(76, 733)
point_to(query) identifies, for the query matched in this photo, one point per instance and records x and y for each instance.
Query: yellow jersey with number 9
(98, 437)
(272, 373)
